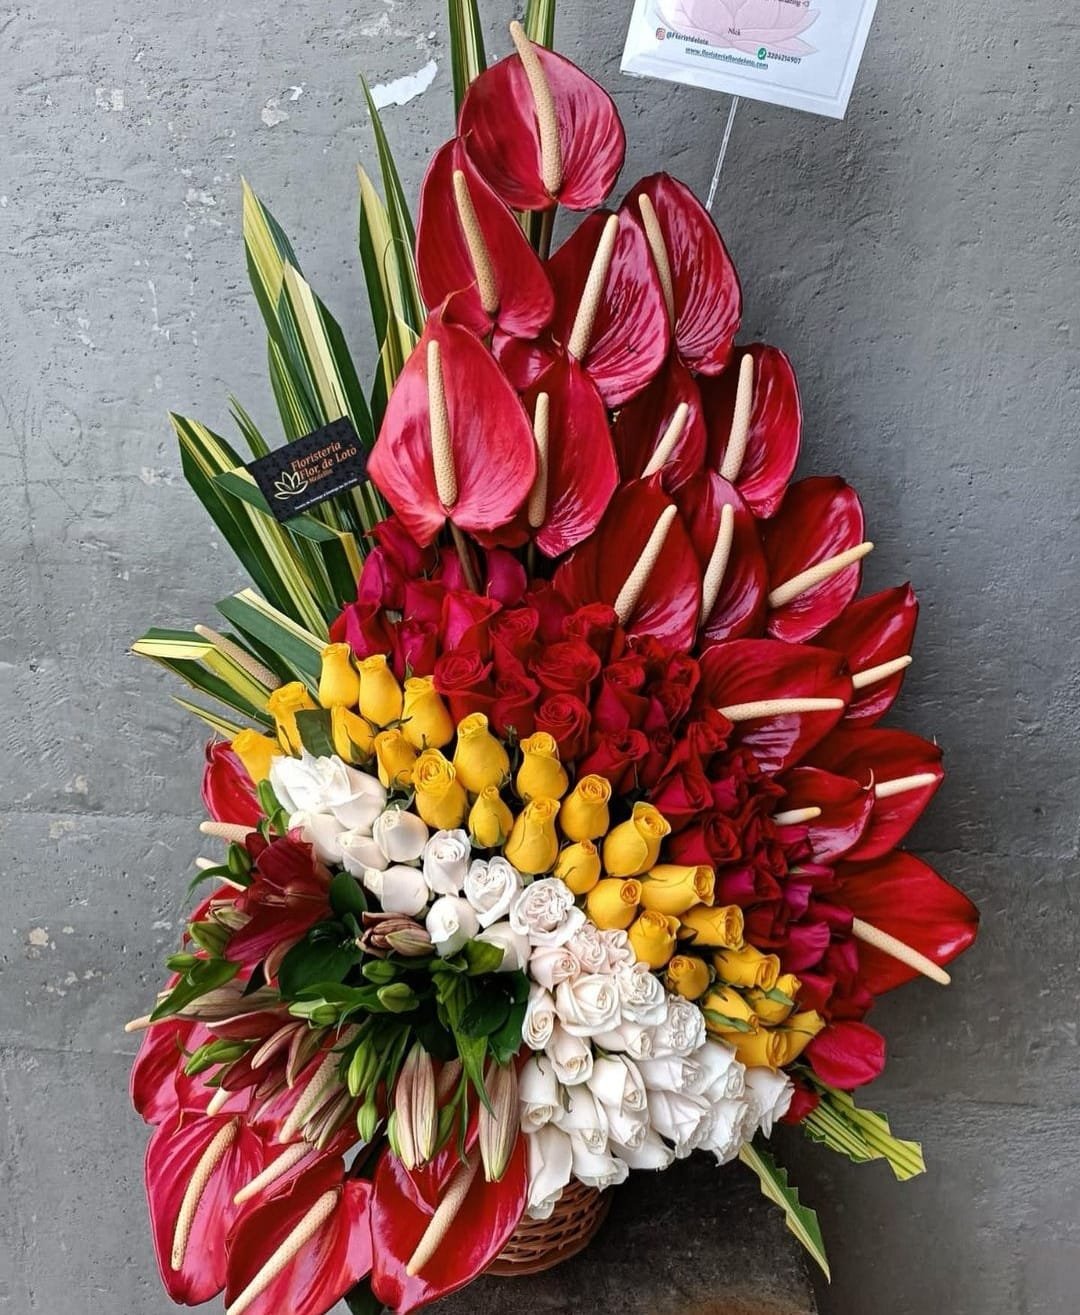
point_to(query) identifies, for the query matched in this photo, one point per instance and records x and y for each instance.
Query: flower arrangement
(561, 834)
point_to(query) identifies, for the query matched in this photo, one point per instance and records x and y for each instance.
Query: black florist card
(302, 473)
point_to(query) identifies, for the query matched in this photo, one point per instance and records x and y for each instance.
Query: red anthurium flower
(903, 896)
(468, 243)
(289, 893)
(782, 698)
(542, 132)
(152, 1083)
(759, 455)
(403, 1205)
(845, 810)
(847, 1055)
(227, 790)
(662, 429)
(729, 551)
(577, 474)
(692, 261)
(452, 419)
(813, 546)
(641, 562)
(876, 633)
(194, 1168)
(899, 771)
(314, 1232)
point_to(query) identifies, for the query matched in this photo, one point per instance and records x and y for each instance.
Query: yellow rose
(440, 798)
(798, 1032)
(584, 814)
(256, 752)
(381, 700)
(632, 848)
(761, 1049)
(353, 738)
(746, 966)
(729, 1010)
(479, 758)
(490, 820)
(283, 704)
(533, 845)
(339, 685)
(673, 887)
(579, 866)
(541, 775)
(707, 926)
(613, 903)
(652, 936)
(772, 1012)
(396, 759)
(688, 976)
(425, 719)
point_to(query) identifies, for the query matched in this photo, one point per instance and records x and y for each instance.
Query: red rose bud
(566, 718)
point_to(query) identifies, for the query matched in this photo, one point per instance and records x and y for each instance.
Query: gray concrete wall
(918, 262)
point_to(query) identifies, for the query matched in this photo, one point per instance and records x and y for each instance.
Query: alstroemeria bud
(652, 936)
(401, 835)
(283, 705)
(633, 847)
(384, 932)
(687, 976)
(381, 699)
(367, 1120)
(396, 759)
(339, 685)
(479, 758)
(425, 719)
(256, 752)
(613, 903)
(490, 820)
(541, 774)
(533, 845)
(772, 1012)
(354, 740)
(579, 866)
(673, 888)
(412, 942)
(500, 1126)
(584, 814)
(440, 797)
(398, 889)
(747, 966)
(415, 1110)
(721, 926)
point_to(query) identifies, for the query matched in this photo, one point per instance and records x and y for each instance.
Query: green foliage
(800, 1219)
(860, 1134)
(203, 976)
(467, 57)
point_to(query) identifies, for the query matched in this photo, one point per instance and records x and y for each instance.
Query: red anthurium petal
(489, 431)
(900, 771)
(818, 519)
(874, 631)
(218, 1155)
(630, 334)
(901, 895)
(707, 296)
(581, 470)
(750, 671)
(227, 790)
(445, 264)
(645, 420)
(401, 1212)
(668, 604)
(772, 443)
(847, 1055)
(499, 125)
(332, 1213)
(739, 608)
(153, 1074)
(845, 810)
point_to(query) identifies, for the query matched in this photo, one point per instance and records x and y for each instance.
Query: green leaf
(315, 962)
(222, 725)
(467, 57)
(313, 725)
(540, 21)
(481, 957)
(207, 975)
(206, 669)
(299, 649)
(860, 1134)
(505, 1042)
(346, 896)
(800, 1219)
(484, 1014)
(726, 1024)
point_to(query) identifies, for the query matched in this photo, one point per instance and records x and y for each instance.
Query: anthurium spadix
(451, 423)
(876, 633)
(725, 537)
(661, 431)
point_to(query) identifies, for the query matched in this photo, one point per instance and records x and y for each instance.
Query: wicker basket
(539, 1244)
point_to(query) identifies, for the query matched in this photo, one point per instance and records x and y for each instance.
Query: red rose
(512, 631)
(597, 625)
(424, 601)
(506, 578)
(616, 755)
(516, 697)
(416, 647)
(675, 692)
(464, 680)
(567, 719)
(552, 608)
(682, 795)
(466, 623)
(363, 627)
(568, 667)
(661, 742)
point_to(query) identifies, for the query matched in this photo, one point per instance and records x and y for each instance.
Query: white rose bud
(768, 1095)
(682, 1030)
(588, 1004)
(674, 1073)
(359, 852)
(601, 1171)
(617, 1084)
(446, 860)
(450, 923)
(571, 1057)
(583, 1117)
(321, 832)
(398, 889)
(683, 1120)
(514, 946)
(539, 1093)
(539, 1022)
(552, 964)
(550, 1160)
(729, 1127)
(725, 1077)
(620, 953)
(401, 835)
(588, 947)
(491, 886)
(629, 1038)
(546, 912)
(642, 995)
(652, 1153)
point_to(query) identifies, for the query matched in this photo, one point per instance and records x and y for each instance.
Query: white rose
(729, 1128)
(627, 1128)
(582, 1117)
(587, 946)
(682, 1030)
(631, 1038)
(674, 1073)
(546, 912)
(550, 1160)
(768, 1095)
(552, 964)
(401, 835)
(450, 923)
(539, 1092)
(642, 995)
(514, 946)
(359, 852)
(652, 1153)
(602, 1171)
(327, 785)
(321, 831)
(588, 1004)
(398, 889)
(446, 860)
(571, 1057)
(620, 953)
(617, 1084)
(491, 886)
(683, 1120)
(724, 1075)
(539, 1022)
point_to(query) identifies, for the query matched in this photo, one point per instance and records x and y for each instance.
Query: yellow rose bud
(256, 752)
(632, 848)
(775, 1011)
(440, 797)
(797, 1034)
(396, 759)
(533, 845)
(425, 719)
(339, 685)
(707, 926)
(613, 903)
(746, 966)
(283, 705)
(490, 820)
(479, 758)
(652, 936)
(688, 976)
(725, 1009)
(381, 700)
(579, 866)
(674, 887)
(584, 814)
(761, 1049)
(353, 738)
(541, 775)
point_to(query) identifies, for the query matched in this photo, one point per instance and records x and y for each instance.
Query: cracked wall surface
(918, 262)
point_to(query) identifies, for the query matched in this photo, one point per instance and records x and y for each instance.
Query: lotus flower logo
(289, 485)
(746, 25)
